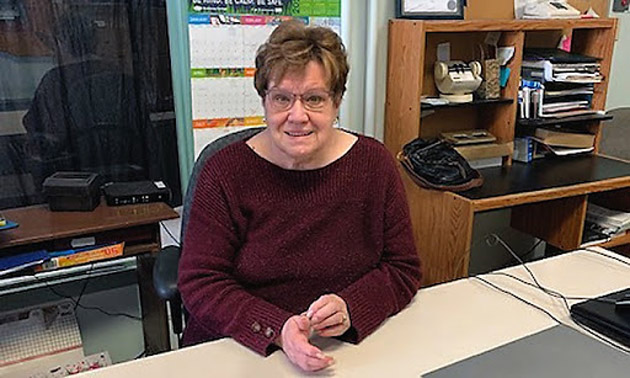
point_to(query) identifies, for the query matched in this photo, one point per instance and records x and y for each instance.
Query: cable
(531, 249)
(85, 283)
(507, 247)
(588, 249)
(496, 238)
(586, 329)
(170, 234)
(551, 293)
(519, 298)
(77, 304)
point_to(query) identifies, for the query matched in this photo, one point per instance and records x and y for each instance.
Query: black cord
(77, 304)
(177, 243)
(85, 283)
(532, 249)
(519, 298)
(498, 239)
(142, 354)
(608, 256)
(564, 299)
(492, 243)
(549, 293)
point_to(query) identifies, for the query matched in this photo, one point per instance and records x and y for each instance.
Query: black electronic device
(128, 193)
(72, 191)
(606, 314)
(623, 303)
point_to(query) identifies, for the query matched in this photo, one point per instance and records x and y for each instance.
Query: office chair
(107, 133)
(616, 135)
(85, 117)
(167, 260)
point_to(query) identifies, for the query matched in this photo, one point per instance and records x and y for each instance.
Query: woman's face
(300, 113)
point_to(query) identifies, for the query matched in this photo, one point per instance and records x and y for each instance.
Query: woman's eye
(281, 99)
(314, 99)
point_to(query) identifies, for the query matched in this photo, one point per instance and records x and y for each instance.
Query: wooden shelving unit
(548, 198)
(476, 102)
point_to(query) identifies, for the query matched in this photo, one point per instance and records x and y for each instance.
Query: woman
(303, 228)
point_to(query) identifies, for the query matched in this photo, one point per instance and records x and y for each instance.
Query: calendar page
(224, 38)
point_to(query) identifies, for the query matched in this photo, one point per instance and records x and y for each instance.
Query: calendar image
(224, 38)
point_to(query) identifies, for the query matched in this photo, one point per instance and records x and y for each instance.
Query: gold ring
(343, 318)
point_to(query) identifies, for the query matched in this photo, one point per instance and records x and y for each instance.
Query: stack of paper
(613, 222)
(555, 65)
(561, 138)
(557, 84)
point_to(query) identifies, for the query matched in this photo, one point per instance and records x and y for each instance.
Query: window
(84, 86)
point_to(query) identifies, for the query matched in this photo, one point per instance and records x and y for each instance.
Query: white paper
(431, 6)
(504, 54)
(519, 7)
(444, 52)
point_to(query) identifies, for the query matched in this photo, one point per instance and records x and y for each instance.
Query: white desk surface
(443, 324)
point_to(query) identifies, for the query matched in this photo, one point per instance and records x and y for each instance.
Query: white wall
(619, 86)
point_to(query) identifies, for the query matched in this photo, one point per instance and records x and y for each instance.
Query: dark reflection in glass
(87, 87)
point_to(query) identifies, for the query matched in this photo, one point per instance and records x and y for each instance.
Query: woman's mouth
(297, 134)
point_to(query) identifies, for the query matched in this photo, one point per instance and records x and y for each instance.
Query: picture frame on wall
(430, 9)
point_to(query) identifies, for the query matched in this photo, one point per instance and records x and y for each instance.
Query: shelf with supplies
(547, 196)
(536, 122)
(475, 102)
(616, 241)
(614, 217)
(43, 233)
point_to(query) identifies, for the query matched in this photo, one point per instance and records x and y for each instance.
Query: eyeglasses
(314, 101)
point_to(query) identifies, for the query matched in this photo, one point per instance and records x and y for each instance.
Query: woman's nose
(297, 113)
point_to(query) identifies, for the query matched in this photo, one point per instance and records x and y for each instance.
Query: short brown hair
(291, 46)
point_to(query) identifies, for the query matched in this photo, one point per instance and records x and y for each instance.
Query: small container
(72, 191)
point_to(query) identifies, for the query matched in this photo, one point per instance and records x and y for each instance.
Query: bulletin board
(224, 37)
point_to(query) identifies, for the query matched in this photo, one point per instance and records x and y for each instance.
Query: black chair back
(207, 152)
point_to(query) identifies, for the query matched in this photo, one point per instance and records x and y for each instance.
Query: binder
(13, 263)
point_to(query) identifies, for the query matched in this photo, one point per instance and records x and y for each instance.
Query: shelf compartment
(515, 25)
(491, 101)
(559, 221)
(537, 122)
(616, 241)
(547, 179)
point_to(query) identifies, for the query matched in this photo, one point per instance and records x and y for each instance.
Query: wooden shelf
(617, 241)
(465, 104)
(536, 122)
(514, 25)
(547, 179)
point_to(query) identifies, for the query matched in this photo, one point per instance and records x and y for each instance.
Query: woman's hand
(294, 341)
(329, 316)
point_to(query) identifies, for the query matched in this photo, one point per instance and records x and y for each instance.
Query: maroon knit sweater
(262, 243)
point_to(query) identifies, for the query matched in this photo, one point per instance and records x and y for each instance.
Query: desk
(136, 225)
(547, 199)
(443, 324)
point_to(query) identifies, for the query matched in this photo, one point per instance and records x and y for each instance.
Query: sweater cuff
(367, 309)
(260, 326)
